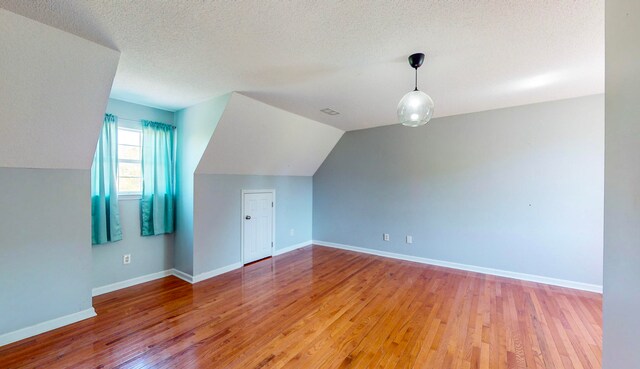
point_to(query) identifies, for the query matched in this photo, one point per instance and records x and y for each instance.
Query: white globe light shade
(415, 109)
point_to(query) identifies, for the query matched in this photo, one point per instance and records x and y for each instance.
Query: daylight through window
(129, 161)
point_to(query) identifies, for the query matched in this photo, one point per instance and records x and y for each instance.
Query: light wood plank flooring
(319, 307)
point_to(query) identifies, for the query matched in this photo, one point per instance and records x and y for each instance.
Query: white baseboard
(182, 275)
(76, 317)
(130, 282)
(470, 268)
(39, 328)
(210, 274)
(291, 248)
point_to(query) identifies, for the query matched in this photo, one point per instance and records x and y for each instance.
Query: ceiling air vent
(329, 111)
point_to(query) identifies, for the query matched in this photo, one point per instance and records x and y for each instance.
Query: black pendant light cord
(415, 61)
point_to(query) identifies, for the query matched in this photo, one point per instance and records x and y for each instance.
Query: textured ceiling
(350, 56)
(54, 88)
(256, 138)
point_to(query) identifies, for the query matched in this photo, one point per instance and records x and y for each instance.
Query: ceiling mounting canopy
(416, 60)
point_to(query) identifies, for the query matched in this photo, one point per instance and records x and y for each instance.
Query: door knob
(247, 217)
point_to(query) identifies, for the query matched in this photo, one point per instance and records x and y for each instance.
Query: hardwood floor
(324, 308)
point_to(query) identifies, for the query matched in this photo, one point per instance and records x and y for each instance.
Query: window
(129, 161)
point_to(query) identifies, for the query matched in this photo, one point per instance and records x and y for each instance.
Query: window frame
(130, 125)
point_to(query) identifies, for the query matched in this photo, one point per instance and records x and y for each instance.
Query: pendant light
(416, 108)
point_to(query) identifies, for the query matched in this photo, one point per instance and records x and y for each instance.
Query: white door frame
(273, 218)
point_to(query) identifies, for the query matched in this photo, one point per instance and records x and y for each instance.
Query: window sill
(129, 197)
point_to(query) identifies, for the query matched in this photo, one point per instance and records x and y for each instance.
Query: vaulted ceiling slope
(306, 55)
(53, 95)
(253, 138)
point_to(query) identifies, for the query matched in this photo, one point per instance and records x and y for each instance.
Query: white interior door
(257, 226)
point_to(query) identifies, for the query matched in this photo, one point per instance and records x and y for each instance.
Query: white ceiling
(255, 138)
(53, 93)
(350, 56)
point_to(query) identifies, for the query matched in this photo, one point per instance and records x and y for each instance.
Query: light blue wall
(148, 254)
(209, 205)
(218, 215)
(195, 128)
(517, 189)
(621, 337)
(133, 111)
(45, 245)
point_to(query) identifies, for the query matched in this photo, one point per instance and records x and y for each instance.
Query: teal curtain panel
(105, 214)
(157, 205)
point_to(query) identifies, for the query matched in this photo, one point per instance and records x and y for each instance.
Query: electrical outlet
(292, 232)
(126, 259)
(409, 239)
(385, 236)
